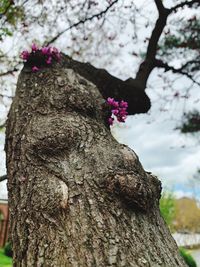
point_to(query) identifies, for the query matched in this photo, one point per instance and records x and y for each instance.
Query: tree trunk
(77, 197)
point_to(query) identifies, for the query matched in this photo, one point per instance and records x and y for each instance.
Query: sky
(173, 157)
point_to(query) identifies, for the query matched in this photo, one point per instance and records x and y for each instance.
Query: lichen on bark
(77, 197)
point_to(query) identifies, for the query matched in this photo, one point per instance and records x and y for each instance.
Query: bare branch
(183, 4)
(148, 65)
(161, 64)
(97, 15)
(8, 96)
(189, 63)
(3, 178)
(156, 33)
(8, 72)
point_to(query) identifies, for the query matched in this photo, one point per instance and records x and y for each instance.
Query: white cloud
(181, 193)
(162, 150)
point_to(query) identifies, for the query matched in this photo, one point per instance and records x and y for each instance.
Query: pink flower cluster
(48, 53)
(119, 109)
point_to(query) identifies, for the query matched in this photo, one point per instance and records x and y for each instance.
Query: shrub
(8, 250)
(187, 257)
(167, 208)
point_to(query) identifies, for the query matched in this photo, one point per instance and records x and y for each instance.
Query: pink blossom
(115, 112)
(45, 50)
(34, 47)
(56, 53)
(121, 119)
(122, 112)
(110, 121)
(49, 60)
(116, 104)
(25, 55)
(55, 50)
(47, 53)
(123, 104)
(110, 101)
(35, 68)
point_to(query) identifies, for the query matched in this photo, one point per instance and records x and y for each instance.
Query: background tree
(191, 123)
(187, 215)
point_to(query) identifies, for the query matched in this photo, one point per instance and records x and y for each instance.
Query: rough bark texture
(77, 197)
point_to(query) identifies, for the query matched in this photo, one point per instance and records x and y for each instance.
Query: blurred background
(115, 35)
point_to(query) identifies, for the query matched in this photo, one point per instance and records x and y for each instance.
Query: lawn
(4, 260)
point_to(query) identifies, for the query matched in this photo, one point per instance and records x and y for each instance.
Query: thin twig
(97, 15)
(8, 72)
(183, 4)
(8, 96)
(3, 178)
(161, 64)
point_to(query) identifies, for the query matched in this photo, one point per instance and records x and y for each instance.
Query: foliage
(167, 208)
(2, 128)
(187, 215)
(187, 257)
(4, 260)
(183, 43)
(10, 14)
(8, 250)
(191, 122)
(186, 35)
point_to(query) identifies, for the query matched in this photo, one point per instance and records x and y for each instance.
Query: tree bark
(77, 197)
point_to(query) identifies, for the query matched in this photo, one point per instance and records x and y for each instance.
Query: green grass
(4, 260)
(189, 260)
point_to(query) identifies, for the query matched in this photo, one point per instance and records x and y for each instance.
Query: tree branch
(110, 86)
(183, 4)
(161, 64)
(3, 178)
(8, 72)
(11, 97)
(97, 15)
(189, 63)
(148, 65)
(159, 5)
